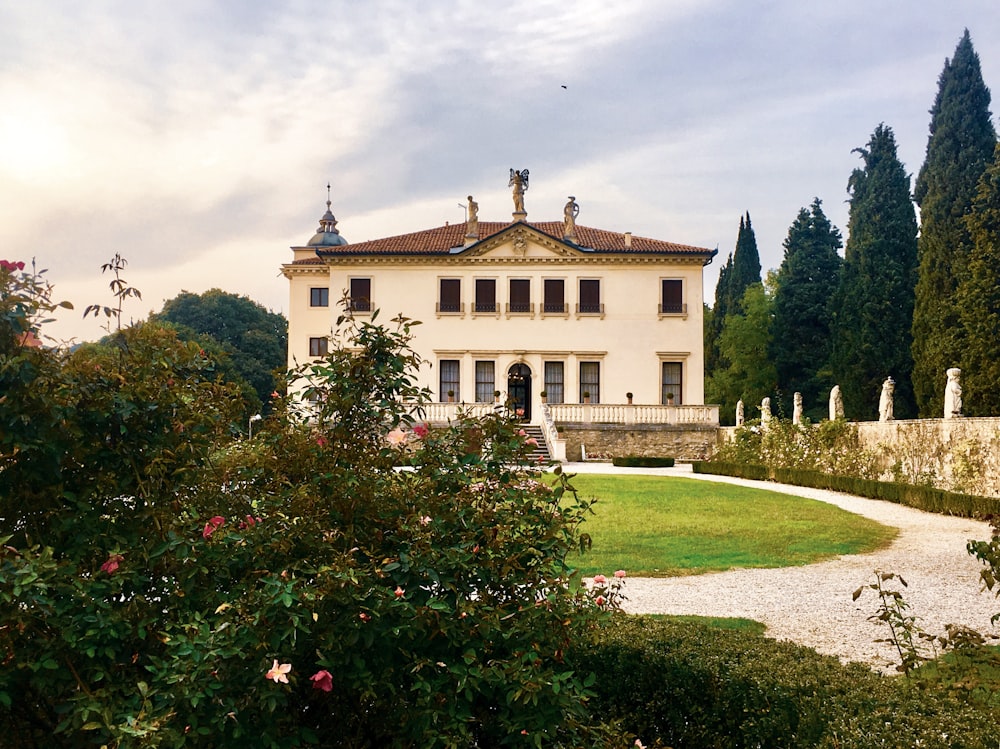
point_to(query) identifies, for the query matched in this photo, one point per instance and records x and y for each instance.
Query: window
(319, 346)
(486, 295)
(319, 297)
(485, 381)
(672, 297)
(671, 382)
(554, 379)
(590, 296)
(590, 381)
(450, 299)
(361, 294)
(449, 379)
(555, 296)
(520, 295)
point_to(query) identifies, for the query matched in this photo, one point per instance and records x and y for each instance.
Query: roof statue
(472, 222)
(519, 181)
(570, 212)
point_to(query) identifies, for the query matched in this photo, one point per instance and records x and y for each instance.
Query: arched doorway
(519, 390)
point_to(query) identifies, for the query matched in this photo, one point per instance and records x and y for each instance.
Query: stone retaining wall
(681, 442)
(956, 454)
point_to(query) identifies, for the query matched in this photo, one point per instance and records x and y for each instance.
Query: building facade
(547, 310)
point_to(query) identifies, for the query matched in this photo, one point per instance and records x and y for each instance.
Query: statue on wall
(472, 223)
(953, 394)
(739, 412)
(797, 409)
(519, 181)
(765, 411)
(570, 212)
(885, 405)
(836, 404)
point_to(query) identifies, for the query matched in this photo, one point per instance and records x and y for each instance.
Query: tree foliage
(161, 586)
(874, 307)
(742, 269)
(806, 284)
(254, 339)
(978, 299)
(745, 345)
(960, 147)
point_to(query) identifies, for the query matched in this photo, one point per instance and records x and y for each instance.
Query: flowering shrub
(138, 609)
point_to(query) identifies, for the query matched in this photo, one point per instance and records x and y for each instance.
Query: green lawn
(660, 526)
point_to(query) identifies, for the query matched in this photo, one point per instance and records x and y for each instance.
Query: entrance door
(519, 390)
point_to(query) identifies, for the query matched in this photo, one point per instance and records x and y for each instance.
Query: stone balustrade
(619, 413)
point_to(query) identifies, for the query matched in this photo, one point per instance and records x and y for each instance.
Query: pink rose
(213, 525)
(600, 600)
(420, 430)
(111, 565)
(600, 579)
(399, 592)
(322, 680)
(620, 574)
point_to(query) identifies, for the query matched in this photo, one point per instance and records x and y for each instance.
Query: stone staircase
(539, 454)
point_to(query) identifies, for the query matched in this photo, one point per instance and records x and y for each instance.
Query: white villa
(547, 312)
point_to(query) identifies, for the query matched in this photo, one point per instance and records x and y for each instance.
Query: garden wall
(960, 455)
(681, 442)
(954, 454)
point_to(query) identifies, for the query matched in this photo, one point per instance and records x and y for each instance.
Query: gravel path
(812, 605)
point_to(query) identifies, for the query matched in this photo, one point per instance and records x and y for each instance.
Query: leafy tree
(979, 300)
(163, 587)
(874, 308)
(806, 284)
(745, 344)
(959, 149)
(254, 339)
(713, 323)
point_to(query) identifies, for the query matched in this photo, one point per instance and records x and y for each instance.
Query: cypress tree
(806, 287)
(715, 321)
(979, 300)
(960, 147)
(742, 269)
(874, 309)
(745, 270)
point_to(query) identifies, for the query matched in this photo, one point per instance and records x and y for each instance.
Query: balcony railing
(672, 309)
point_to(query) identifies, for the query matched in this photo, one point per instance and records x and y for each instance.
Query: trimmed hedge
(691, 686)
(920, 497)
(640, 461)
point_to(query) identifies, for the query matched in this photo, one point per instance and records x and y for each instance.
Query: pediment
(521, 241)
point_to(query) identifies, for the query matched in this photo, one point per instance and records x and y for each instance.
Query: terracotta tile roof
(443, 239)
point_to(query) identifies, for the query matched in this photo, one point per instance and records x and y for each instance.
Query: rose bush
(164, 585)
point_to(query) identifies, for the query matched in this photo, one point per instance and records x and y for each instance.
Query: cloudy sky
(196, 138)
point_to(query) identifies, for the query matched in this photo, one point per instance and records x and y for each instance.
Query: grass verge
(662, 526)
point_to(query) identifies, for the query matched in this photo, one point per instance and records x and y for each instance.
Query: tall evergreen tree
(714, 322)
(807, 284)
(960, 147)
(746, 265)
(741, 270)
(874, 308)
(979, 300)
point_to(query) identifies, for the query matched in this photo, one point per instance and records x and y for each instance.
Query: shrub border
(925, 498)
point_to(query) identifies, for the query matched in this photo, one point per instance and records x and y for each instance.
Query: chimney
(628, 240)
